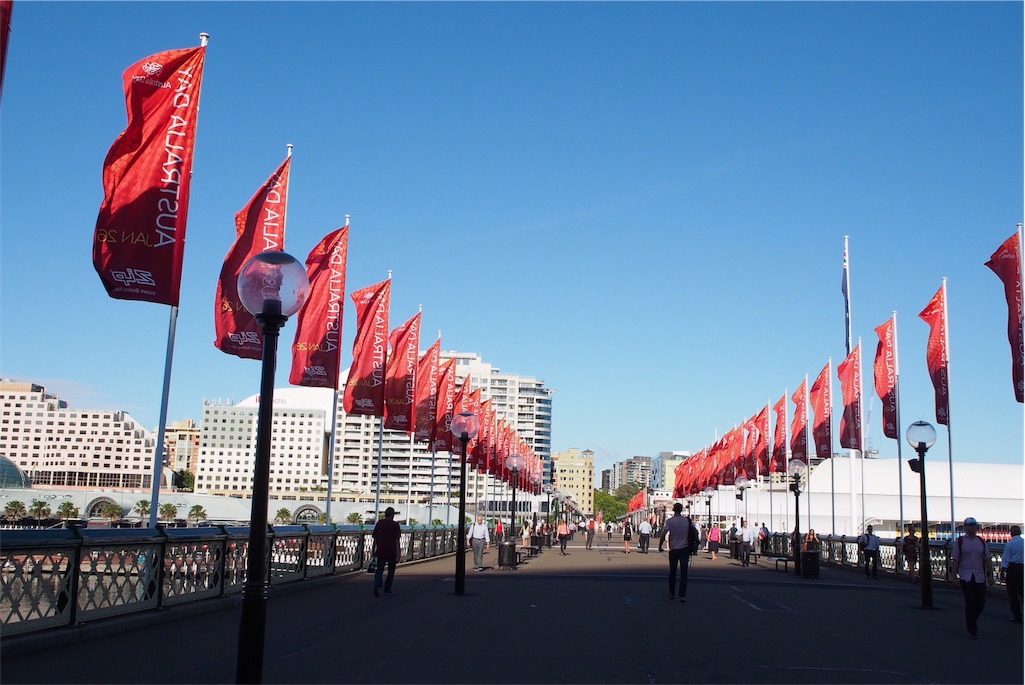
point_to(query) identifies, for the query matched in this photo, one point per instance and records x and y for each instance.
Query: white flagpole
(950, 446)
(158, 449)
(896, 394)
(860, 390)
(832, 464)
(334, 420)
(786, 465)
(849, 326)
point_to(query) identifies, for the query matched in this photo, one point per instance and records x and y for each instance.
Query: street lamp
(514, 463)
(464, 426)
(547, 488)
(272, 286)
(922, 436)
(797, 470)
(708, 492)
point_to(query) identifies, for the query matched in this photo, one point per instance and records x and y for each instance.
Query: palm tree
(197, 512)
(168, 511)
(284, 516)
(353, 518)
(111, 512)
(142, 508)
(15, 510)
(40, 509)
(67, 510)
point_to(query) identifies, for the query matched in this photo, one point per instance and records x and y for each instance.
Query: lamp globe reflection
(275, 281)
(921, 433)
(797, 470)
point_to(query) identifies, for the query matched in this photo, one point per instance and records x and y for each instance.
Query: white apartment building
(59, 446)
(575, 476)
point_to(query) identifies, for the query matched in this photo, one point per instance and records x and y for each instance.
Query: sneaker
(671, 596)
(387, 594)
(683, 599)
(377, 591)
(973, 636)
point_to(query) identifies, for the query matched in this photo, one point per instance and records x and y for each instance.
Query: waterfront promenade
(595, 616)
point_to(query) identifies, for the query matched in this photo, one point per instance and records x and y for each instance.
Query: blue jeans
(681, 558)
(379, 571)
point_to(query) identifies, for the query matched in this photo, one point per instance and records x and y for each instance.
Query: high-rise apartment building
(636, 470)
(56, 445)
(181, 445)
(663, 469)
(576, 476)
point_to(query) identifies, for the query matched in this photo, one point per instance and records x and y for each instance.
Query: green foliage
(15, 510)
(186, 480)
(39, 509)
(436, 522)
(168, 511)
(625, 493)
(283, 516)
(142, 508)
(197, 512)
(67, 510)
(354, 517)
(413, 522)
(611, 507)
(111, 511)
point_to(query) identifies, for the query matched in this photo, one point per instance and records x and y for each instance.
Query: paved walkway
(594, 616)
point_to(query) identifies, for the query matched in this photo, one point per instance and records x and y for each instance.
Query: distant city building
(606, 480)
(576, 477)
(663, 469)
(635, 470)
(181, 446)
(58, 446)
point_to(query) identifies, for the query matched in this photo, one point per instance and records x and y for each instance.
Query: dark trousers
(974, 603)
(643, 542)
(590, 539)
(1013, 579)
(678, 557)
(745, 553)
(873, 557)
(379, 571)
(563, 539)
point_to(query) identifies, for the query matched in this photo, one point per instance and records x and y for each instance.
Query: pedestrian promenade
(594, 616)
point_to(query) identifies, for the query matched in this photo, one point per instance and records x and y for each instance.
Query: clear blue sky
(643, 205)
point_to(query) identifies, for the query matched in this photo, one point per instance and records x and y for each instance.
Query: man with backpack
(869, 544)
(973, 566)
(682, 544)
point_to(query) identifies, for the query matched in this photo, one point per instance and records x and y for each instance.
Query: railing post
(76, 576)
(159, 566)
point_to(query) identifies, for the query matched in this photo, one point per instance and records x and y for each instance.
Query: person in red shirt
(387, 534)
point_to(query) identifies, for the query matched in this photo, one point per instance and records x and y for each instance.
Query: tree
(624, 493)
(354, 518)
(40, 509)
(197, 512)
(610, 507)
(15, 510)
(111, 511)
(142, 508)
(168, 511)
(67, 510)
(283, 516)
(184, 480)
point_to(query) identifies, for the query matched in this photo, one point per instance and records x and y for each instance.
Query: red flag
(259, 227)
(6, 9)
(364, 391)
(799, 428)
(821, 396)
(426, 412)
(779, 449)
(761, 423)
(638, 501)
(1006, 264)
(400, 376)
(849, 372)
(139, 241)
(885, 373)
(444, 441)
(937, 351)
(317, 348)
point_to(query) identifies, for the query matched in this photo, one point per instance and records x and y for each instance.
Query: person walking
(563, 537)
(971, 563)
(644, 536)
(909, 548)
(748, 535)
(608, 529)
(1011, 565)
(387, 535)
(869, 543)
(479, 539)
(714, 535)
(590, 534)
(678, 529)
(499, 531)
(628, 530)
(763, 536)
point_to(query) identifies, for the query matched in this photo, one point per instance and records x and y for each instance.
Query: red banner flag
(638, 501)
(885, 375)
(849, 373)
(779, 448)
(444, 441)
(761, 422)
(799, 428)
(938, 350)
(426, 412)
(6, 9)
(821, 397)
(1006, 264)
(139, 241)
(400, 376)
(317, 348)
(259, 227)
(364, 391)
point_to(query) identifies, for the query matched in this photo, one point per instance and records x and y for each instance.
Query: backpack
(692, 537)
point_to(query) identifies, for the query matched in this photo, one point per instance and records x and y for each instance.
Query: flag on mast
(799, 428)
(400, 376)
(426, 412)
(139, 241)
(364, 391)
(845, 288)
(1006, 264)
(885, 373)
(6, 9)
(444, 441)
(937, 351)
(259, 227)
(849, 372)
(317, 348)
(779, 449)
(821, 397)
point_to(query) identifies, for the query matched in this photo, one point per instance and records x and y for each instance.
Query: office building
(576, 477)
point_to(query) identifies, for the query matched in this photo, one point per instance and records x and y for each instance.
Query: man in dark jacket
(386, 548)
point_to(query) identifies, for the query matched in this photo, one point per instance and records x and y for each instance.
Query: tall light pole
(464, 426)
(272, 286)
(548, 492)
(514, 463)
(708, 492)
(797, 469)
(922, 436)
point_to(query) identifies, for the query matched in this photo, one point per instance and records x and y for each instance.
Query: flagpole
(786, 463)
(860, 390)
(848, 330)
(158, 449)
(896, 391)
(380, 449)
(950, 446)
(807, 448)
(832, 464)
(334, 416)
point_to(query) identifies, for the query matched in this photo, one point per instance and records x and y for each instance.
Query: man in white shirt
(869, 543)
(1012, 566)
(644, 531)
(748, 536)
(973, 565)
(478, 538)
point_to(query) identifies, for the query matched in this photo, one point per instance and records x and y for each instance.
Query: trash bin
(734, 549)
(810, 564)
(507, 554)
(535, 541)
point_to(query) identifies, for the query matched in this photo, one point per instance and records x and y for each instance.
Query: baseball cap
(970, 521)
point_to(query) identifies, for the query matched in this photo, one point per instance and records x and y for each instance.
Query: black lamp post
(514, 463)
(797, 469)
(548, 492)
(464, 426)
(922, 436)
(272, 286)
(708, 492)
